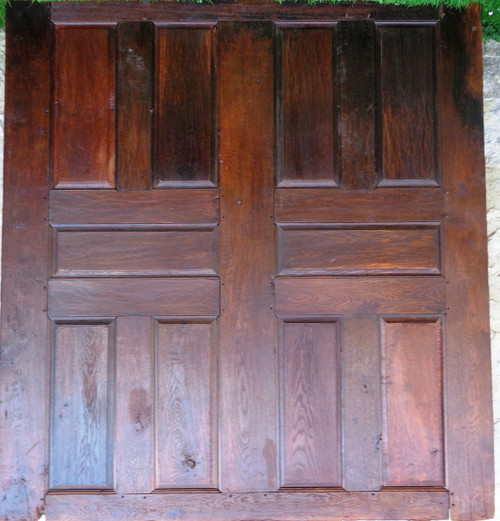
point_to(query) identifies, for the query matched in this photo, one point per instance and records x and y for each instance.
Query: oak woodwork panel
(353, 295)
(308, 145)
(186, 440)
(117, 297)
(134, 105)
(158, 207)
(347, 206)
(84, 91)
(94, 253)
(81, 423)
(184, 139)
(407, 104)
(412, 385)
(323, 250)
(309, 363)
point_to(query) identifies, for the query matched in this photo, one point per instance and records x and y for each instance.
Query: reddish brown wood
(247, 324)
(84, 91)
(469, 444)
(134, 105)
(24, 351)
(185, 107)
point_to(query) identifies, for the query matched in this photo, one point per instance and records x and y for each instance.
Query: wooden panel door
(244, 264)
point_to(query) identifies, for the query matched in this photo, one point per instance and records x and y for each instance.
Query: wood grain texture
(353, 295)
(24, 352)
(347, 206)
(356, 60)
(111, 207)
(104, 253)
(328, 506)
(323, 250)
(361, 403)
(81, 420)
(109, 297)
(247, 323)
(134, 124)
(83, 155)
(186, 442)
(310, 387)
(184, 139)
(407, 91)
(134, 405)
(308, 139)
(469, 436)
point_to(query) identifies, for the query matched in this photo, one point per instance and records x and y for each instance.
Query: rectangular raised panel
(407, 104)
(83, 148)
(358, 250)
(370, 295)
(308, 133)
(154, 207)
(310, 397)
(82, 408)
(185, 414)
(92, 253)
(116, 296)
(347, 206)
(184, 137)
(412, 385)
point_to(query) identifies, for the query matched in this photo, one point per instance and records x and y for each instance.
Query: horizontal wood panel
(343, 206)
(358, 250)
(297, 506)
(134, 253)
(153, 207)
(115, 297)
(371, 295)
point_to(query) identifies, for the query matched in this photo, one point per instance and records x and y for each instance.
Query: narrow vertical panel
(184, 139)
(356, 59)
(84, 108)
(361, 396)
(247, 323)
(24, 353)
(81, 433)
(134, 404)
(185, 415)
(310, 358)
(413, 403)
(307, 106)
(134, 105)
(407, 106)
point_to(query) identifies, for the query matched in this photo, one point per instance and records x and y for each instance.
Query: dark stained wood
(310, 387)
(81, 423)
(186, 442)
(349, 295)
(346, 206)
(323, 250)
(361, 403)
(469, 442)
(407, 91)
(134, 105)
(412, 389)
(297, 506)
(115, 296)
(24, 350)
(167, 253)
(184, 140)
(134, 405)
(112, 207)
(84, 91)
(247, 323)
(307, 140)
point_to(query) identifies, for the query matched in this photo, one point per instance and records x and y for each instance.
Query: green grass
(490, 12)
